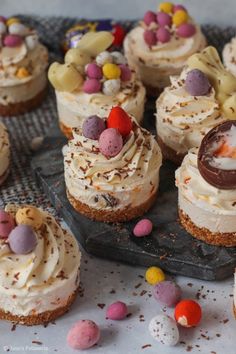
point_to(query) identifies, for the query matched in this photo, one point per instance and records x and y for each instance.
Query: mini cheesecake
(206, 183)
(23, 63)
(39, 266)
(92, 81)
(112, 168)
(4, 153)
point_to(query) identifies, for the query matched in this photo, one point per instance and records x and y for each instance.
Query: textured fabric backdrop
(20, 187)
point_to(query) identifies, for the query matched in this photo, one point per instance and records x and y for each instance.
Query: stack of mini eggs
(18, 232)
(170, 20)
(106, 73)
(109, 133)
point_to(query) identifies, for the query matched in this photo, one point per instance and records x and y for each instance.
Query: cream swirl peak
(113, 167)
(39, 264)
(229, 56)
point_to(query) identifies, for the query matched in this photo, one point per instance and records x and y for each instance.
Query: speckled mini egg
(30, 216)
(104, 58)
(118, 58)
(164, 330)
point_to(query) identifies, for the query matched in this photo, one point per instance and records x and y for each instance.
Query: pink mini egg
(164, 19)
(179, 7)
(186, 30)
(7, 224)
(117, 311)
(110, 142)
(149, 17)
(163, 35)
(125, 72)
(83, 335)
(91, 86)
(149, 37)
(94, 71)
(12, 40)
(143, 228)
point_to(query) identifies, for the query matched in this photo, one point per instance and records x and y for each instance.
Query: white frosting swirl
(4, 150)
(126, 180)
(229, 56)
(157, 63)
(181, 119)
(43, 279)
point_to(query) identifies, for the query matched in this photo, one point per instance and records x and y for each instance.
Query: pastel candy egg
(197, 83)
(167, 292)
(31, 216)
(164, 19)
(93, 127)
(179, 7)
(110, 142)
(3, 28)
(125, 72)
(149, 37)
(188, 313)
(18, 28)
(111, 87)
(166, 7)
(7, 224)
(83, 335)
(12, 40)
(119, 120)
(94, 71)
(154, 275)
(163, 35)
(31, 41)
(103, 58)
(111, 71)
(180, 17)
(91, 86)
(22, 239)
(186, 30)
(118, 58)
(143, 228)
(149, 17)
(117, 311)
(164, 329)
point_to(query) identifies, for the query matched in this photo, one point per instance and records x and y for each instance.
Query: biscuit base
(168, 153)
(14, 109)
(67, 131)
(40, 318)
(227, 239)
(4, 176)
(121, 215)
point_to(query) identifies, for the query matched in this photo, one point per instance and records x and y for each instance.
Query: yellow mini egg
(166, 7)
(154, 275)
(180, 17)
(12, 20)
(22, 73)
(111, 71)
(29, 215)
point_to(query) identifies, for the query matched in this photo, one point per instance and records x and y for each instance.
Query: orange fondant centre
(226, 151)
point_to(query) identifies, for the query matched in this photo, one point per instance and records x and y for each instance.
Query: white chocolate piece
(31, 41)
(77, 57)
(95, 42)
(64, 77)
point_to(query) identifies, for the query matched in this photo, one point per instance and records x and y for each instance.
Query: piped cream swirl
(4, 149)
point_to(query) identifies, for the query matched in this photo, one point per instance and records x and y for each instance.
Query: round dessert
(4, 153)
(114, 177)
(92, 81)
(39, 266)
(161, 44)
(23, 63)
(229, 56)
(193, 104)
(206, 181)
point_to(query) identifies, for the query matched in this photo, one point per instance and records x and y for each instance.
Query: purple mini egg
(163, 35)
(92, 86)
(197, 83)
(143, 228)
(179, 7)
(167, 292)
(22, 239)
(149, 37)
(110, 142)
(94, 71)
(12, 40)
(186, 30)
(92, 127)
(164, 19)
(125, 72)
(7, 224)
(149, 17)
(117, 311)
